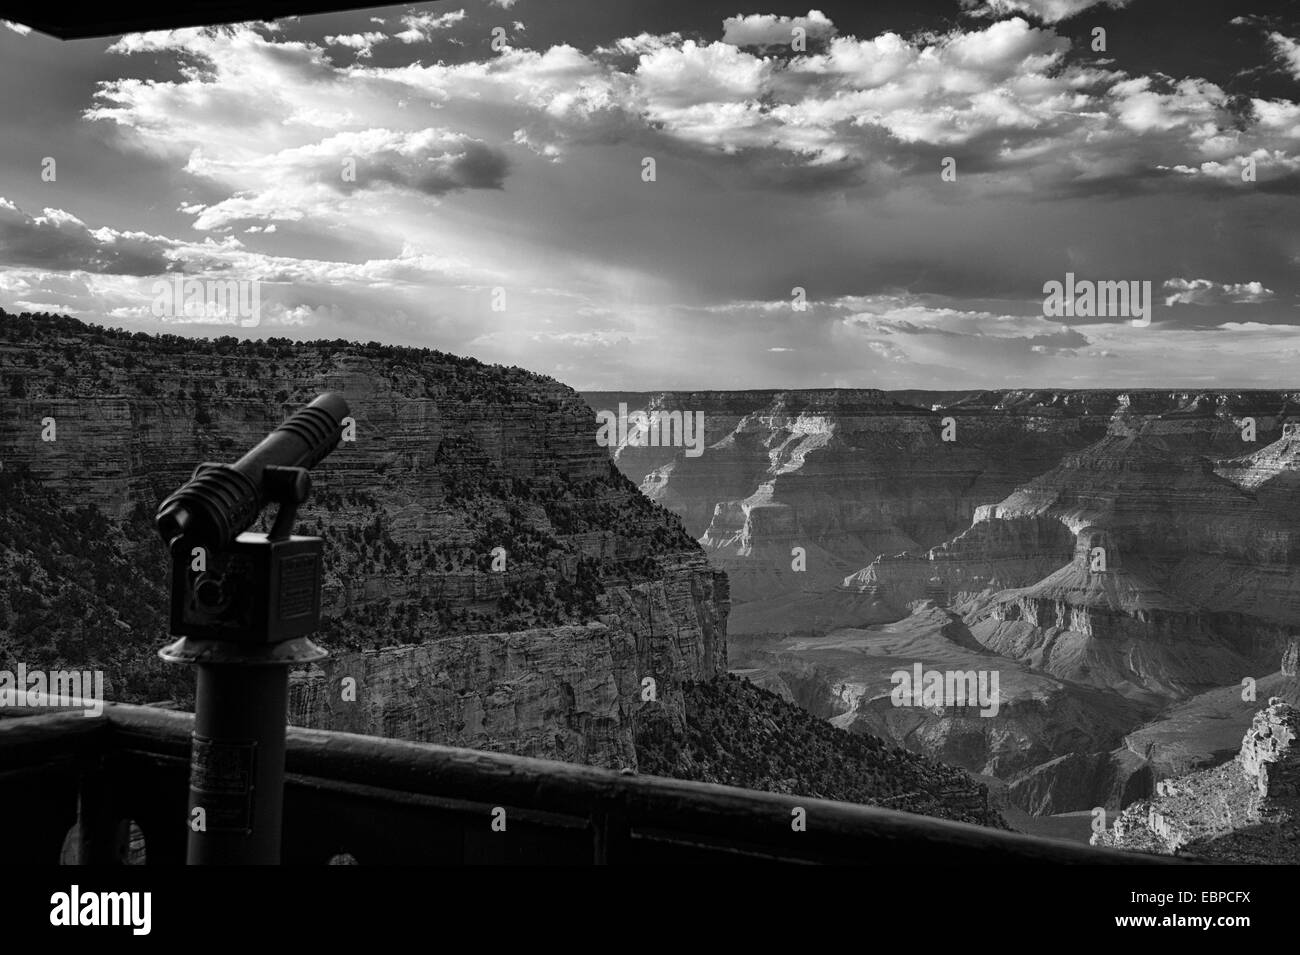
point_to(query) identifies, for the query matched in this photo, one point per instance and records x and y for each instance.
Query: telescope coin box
(257, 590)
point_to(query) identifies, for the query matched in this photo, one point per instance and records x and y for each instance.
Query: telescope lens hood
(221, 501)
(317, 426)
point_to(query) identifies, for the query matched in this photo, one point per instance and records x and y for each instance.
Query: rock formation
(1247, 810)
(1268, 755)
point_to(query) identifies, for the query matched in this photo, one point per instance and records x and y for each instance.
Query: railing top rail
(693, 811)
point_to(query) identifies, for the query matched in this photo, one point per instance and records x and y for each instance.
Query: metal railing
(69, 785)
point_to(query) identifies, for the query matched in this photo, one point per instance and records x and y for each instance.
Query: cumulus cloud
(58, 240)
(859, 108)
(763, 30)
(641, 43)
(19, 28)
(422, 26)
(1287, 51)
(315, 136)
(1007, 93)
(1188, 104)
(1283, 168)
(695, 73)
(157, 41)
(1204, 292)
(833, 106)
(361, 42)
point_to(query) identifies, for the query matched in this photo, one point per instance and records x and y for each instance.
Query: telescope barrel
(221, 501)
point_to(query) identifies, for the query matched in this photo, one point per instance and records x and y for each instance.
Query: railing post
(611, 832)
(97, 842)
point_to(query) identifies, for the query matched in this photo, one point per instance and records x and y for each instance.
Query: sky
(685, 195)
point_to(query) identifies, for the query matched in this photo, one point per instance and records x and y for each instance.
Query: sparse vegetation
(739, 734)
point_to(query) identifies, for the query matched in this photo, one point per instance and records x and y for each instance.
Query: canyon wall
(490, 578)
(573, 692)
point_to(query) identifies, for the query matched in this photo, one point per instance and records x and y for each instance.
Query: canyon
(1128, 561)
(492, 580)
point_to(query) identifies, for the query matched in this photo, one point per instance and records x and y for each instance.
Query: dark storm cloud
(475, 166)
(58, 241)
(1064, 339)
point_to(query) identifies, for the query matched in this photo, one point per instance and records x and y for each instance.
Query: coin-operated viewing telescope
(243, 605)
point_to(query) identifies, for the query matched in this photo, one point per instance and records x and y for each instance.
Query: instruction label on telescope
(221, 779)
(298, 576)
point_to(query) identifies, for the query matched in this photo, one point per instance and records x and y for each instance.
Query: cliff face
(575, 693)
(1112, 627)
(491, 579)
(989, 556)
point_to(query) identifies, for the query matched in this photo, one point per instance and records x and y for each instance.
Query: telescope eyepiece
(174, 522)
